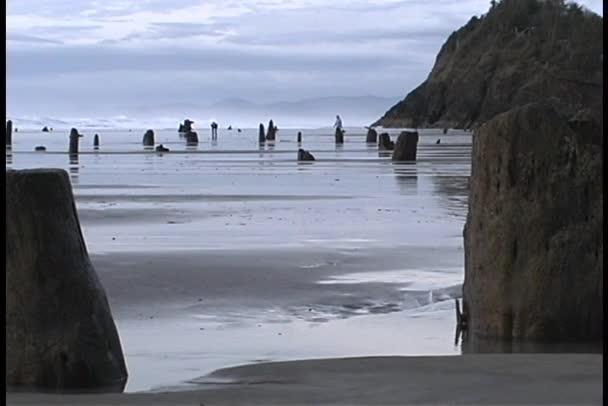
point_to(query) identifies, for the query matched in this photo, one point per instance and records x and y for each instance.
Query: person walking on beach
(213, 130)
(338, 124)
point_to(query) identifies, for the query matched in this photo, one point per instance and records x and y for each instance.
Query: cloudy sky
(111, 55)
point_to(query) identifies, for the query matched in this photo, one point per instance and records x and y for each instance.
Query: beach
(231, 253)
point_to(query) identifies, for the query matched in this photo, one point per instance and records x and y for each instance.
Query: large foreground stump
(406, 146)
(533, 238)
(60, 334)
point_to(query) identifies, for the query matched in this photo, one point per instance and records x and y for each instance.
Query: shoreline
(466, 379)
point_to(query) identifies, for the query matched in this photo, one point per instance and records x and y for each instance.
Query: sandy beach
(496, 379)
(228, 254)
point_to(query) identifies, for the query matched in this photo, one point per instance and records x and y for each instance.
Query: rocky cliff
(521, 51)
(533, 237)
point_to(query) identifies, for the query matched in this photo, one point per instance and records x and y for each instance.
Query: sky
(110, 56)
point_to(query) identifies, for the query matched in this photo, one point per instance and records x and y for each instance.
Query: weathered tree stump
(74, 140)
(9, 133)
(271, 134)
(45, 129)
(262, 134)
(385, 143)
(305, 155)
(299, 137)
(96, 141)
(192, 138)
(40, 148)
(372, 136)
(148, 140)
(406, 146)
(60, 334)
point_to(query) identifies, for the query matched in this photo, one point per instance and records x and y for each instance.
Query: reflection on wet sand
(73, 168)
(406, 175)
(9, 156)
(472, 344)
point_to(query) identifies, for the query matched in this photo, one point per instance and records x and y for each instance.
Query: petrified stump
(339, 135)
(262, 134)
(40, 148)
(533, 237)
(372, 136)
(305, 155)
(299, 137)
(191, 138)
(96, 141)
(9, 133)
(74, 139)
(406, 146)
(161, 148)
(271, 134)
(59, 329)
(385, 143)
(45, 129)
(148, 140)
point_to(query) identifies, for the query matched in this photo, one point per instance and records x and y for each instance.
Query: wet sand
(563, 379)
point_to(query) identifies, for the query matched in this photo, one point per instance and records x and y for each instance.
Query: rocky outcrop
(406, 146)
(60, 334)
(305, 155)
(385, 143)
(519, 52)
(533, 236)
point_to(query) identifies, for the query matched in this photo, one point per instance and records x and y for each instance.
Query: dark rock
(339, 136)
(60, 334)
(406, 146)
(40, 148)
(74, 140)
(229, 128)
(305, 155)
(385, 143)
(96, 141)
(271, 133)
(299, 137)
(519, 52)
(161, 148)
(9, 133)
(148, 140)
(191, 138)
(45, 129)
(372, 136)
(533, 236)
(262, 134)
(438, 141)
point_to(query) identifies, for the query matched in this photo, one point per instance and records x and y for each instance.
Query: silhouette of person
(214, 130)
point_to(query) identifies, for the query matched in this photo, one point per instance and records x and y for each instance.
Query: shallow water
(376, 245)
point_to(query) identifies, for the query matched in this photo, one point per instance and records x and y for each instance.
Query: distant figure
(299, 137)
(438, 141)
(238, 130)
(16, 130)
(214, 130)
(51, 128)
(45, 129)
(338, 123)
(445, 130)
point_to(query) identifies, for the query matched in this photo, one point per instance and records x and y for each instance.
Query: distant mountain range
(355, 111)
